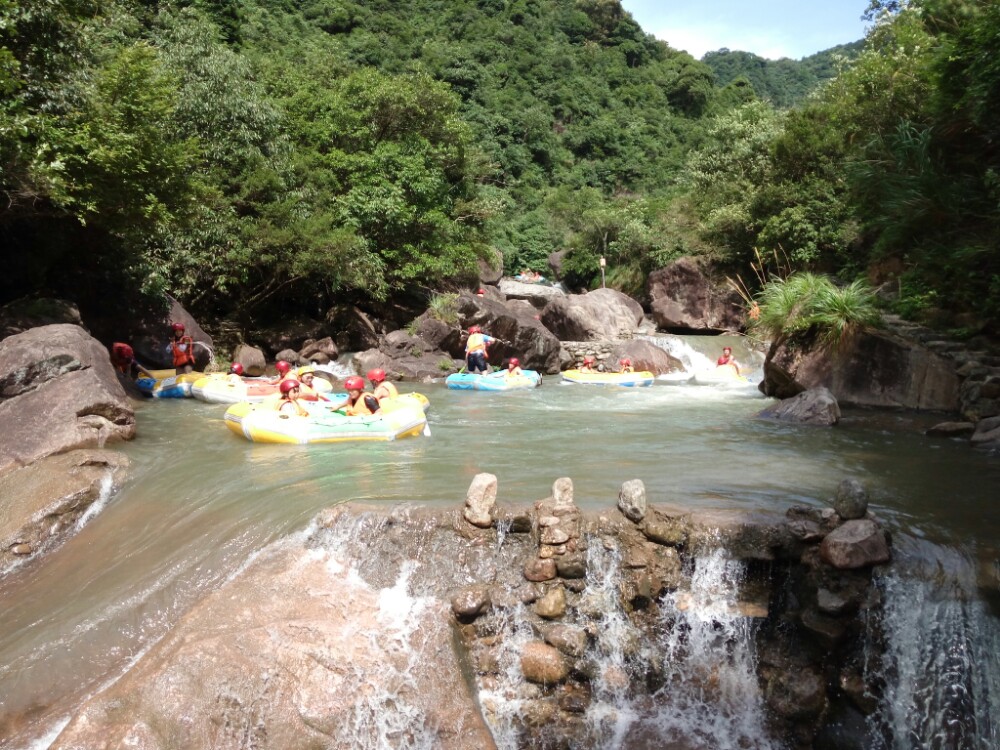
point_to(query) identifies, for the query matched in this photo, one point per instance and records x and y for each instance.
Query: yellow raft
(262, 423)
(627, 379)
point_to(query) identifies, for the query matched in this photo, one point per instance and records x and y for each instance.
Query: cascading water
(940, 658)
(684, 677)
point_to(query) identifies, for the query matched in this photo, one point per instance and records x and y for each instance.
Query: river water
(200, 502)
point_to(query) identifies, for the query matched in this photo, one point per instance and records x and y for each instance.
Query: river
(200, 502)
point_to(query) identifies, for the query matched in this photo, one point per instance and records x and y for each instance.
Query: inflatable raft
(496, 381)
(175, 386)
(219, 389)
(721, 375)
(261, 423)
(627, 379)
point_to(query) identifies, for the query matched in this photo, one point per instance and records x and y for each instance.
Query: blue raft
(496, 381)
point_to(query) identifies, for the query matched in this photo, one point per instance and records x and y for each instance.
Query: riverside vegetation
(253, 158)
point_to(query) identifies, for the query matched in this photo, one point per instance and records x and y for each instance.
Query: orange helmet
(377, 375)
(354, 383)
(236, 368)
(282, 366)
(289, 385)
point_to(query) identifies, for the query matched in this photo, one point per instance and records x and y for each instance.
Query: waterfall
(677, 346)
(940, 663)
(684, 674)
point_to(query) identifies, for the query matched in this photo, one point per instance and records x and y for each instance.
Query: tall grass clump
(809, 304)
(442, 307)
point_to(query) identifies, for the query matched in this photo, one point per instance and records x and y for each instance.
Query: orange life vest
(389, 388)
(183, 351)
(358, 408)
(296, 410)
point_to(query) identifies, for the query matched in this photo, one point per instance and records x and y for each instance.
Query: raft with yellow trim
(626, 379)
(175, 386)
(262, 423)
(720, 375)
(220, 389)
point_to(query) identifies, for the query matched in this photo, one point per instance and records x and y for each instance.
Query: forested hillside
(783, 82)
(261, 158)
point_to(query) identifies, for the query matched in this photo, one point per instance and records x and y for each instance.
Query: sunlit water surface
(200, 502)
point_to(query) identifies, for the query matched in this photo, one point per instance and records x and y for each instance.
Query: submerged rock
(815, 406)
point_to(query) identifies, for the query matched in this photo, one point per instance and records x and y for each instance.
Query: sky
(769, 28)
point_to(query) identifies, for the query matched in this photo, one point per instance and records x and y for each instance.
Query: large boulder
(294, 653)
(874, 368)
(406, 356)
(22, 314)
(352, 328)
(58, 392)
(253, 360)
(683, 297)
(815, 406)
(646, 356)
(538, 295)
(520, 334)
(41, 504)
(152, 345)
(600, 314)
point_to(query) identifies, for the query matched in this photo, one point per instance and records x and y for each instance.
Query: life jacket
(121, 356)
(358, 408)
(515, 372)
(308, 393)
(389, 388)
(296, 409)
(182, 351)
(476, 343)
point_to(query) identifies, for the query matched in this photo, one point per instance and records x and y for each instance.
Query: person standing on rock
(182, 349)
(728, 359)
(381, 388)
(475, 351)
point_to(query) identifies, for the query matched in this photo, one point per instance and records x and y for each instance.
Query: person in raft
(359, 403)
(588, 364)
(625, 365)
(513, 369)
(307, 376)
(284, 371)
(289, 403)
(475, 351)
(181, 349)
(235, 375)
(728, 359)
(381, 388)
(123, 360)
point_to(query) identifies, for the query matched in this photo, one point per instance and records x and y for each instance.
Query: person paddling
(728, 359)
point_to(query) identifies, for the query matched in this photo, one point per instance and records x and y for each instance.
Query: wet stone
(480, 499)
(832, 603)
(796, 694)
(632, 500)
(572, 566)
(554, 535)
(574, 698)
(22, 549)
(827, 629)
(569, 639)
(540, 570)
(852, 500)
(671, 534)
(562, 493)
(470, 602)
(552, 605)
(545, 521)
(543, 664)
(546, 552)
(855, 544)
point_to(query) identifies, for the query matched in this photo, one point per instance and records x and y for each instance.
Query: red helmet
(236, 368)
(282, 366)
(626, 361)
(514, 362)
(178, 327)
(480, 291)
(475, 329)
(354, 383)
(589, 360)
(727, 349)
(289, 385)
(377, 375)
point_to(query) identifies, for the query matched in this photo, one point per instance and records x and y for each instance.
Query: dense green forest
(783, 82)
(255, 158)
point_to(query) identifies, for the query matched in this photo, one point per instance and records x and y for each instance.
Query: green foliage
(807, 303)
(443, 308)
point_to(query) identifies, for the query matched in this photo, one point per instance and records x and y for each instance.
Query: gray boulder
(855, 544)
(683, 297)
(538, 295)
(645, 356)
(815, 406)
(600, 314)
(251, 358)
(22, 314)
(58, 392)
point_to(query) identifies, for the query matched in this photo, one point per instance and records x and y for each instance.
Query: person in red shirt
(728, 359)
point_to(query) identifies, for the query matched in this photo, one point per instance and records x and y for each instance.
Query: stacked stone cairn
(816, 601)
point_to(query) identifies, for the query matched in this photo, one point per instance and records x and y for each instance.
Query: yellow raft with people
(261, 423)
(625, 379)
